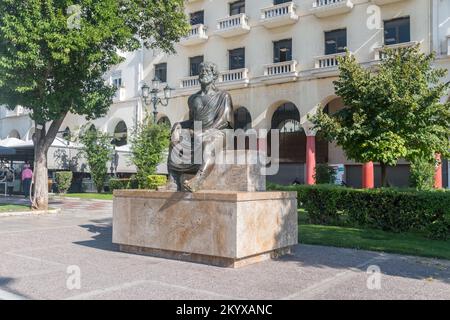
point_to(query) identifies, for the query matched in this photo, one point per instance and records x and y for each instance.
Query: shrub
(325, 174)
(149, 143)
(118, 184)
(422, 174)
(155, 181)
(63, 180)
(97, 150)
(387, 209)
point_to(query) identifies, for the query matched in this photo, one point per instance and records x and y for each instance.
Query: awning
(4, 151)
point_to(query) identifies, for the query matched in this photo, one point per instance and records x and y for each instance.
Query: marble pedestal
(222, 228)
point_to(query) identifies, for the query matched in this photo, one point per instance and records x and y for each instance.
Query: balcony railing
(280, 68)
(196, 35)
(279, 15)
(189, 82)
(237, 75)
(380, 53)
(233, 26)
(326, 8)
(18, 111)
(328, 61)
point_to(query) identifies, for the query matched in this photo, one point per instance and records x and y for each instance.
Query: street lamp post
(150, 96)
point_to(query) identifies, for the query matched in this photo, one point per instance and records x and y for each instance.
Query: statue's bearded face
(206, 76)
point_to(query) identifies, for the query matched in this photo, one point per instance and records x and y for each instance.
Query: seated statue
(213, 110)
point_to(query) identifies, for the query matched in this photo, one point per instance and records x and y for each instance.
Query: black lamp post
(150, 96)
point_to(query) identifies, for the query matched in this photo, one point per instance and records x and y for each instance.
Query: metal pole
(155, 111)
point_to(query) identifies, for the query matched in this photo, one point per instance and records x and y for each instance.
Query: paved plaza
(41, 255)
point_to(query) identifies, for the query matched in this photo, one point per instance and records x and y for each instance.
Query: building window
(397, 31)
(161, 72)
(282, 50)
(194, 65)
(116, 79)
(237, 58)
(275, 2)
(120, 134)
(335, 41)
(237, 7)
(197, 18)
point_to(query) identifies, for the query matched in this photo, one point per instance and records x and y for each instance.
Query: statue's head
(208, 73)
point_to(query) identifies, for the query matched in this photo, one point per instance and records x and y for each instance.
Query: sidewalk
(40, 255)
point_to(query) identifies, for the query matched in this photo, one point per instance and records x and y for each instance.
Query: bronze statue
(211, 108)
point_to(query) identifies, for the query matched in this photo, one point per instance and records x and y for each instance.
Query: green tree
(391, 111)
(53, 54)
(97, 150)
(149, 142)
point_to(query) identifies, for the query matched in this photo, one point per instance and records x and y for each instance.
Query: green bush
(118, 184)
(325, 174)
(155, 181)
(63, 180)
(388, 209)
(422, 174)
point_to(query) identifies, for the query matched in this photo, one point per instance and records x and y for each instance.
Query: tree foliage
(392, 111)
(97, 150)
(54, 53)
(149, 142)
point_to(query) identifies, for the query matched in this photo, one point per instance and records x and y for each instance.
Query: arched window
(286, 119)
(242, 119)
(14, 134)
(66, 133)
(165, 121)
(120, 134)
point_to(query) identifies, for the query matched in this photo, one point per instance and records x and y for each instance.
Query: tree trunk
(42, 141)
(383, 175)
(40, 199)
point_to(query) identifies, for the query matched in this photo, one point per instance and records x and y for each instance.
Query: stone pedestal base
(228, 229)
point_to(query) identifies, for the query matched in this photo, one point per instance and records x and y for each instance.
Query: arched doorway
(242, 123)
(286, 119)
(120, 134)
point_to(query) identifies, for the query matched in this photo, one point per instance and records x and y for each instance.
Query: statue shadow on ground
(5, 283)
(102, 235)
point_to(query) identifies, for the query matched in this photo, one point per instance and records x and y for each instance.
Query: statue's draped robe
(211, 114)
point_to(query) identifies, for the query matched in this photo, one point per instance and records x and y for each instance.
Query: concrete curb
(82, 199)
(30, 213)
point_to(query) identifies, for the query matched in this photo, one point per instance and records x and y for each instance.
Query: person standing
(27, 176)
(10, 180)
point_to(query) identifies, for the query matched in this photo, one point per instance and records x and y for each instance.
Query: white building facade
(278, 61)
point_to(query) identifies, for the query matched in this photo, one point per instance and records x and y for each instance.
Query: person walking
(27, 176)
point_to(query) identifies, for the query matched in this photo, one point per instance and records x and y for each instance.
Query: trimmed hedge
(117, 184)
(154, 181)
(394, 210)
(63, 180)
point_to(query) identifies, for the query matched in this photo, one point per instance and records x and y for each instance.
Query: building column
(438, 174)
(310, 153)
(368, 176)
(310, 160)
